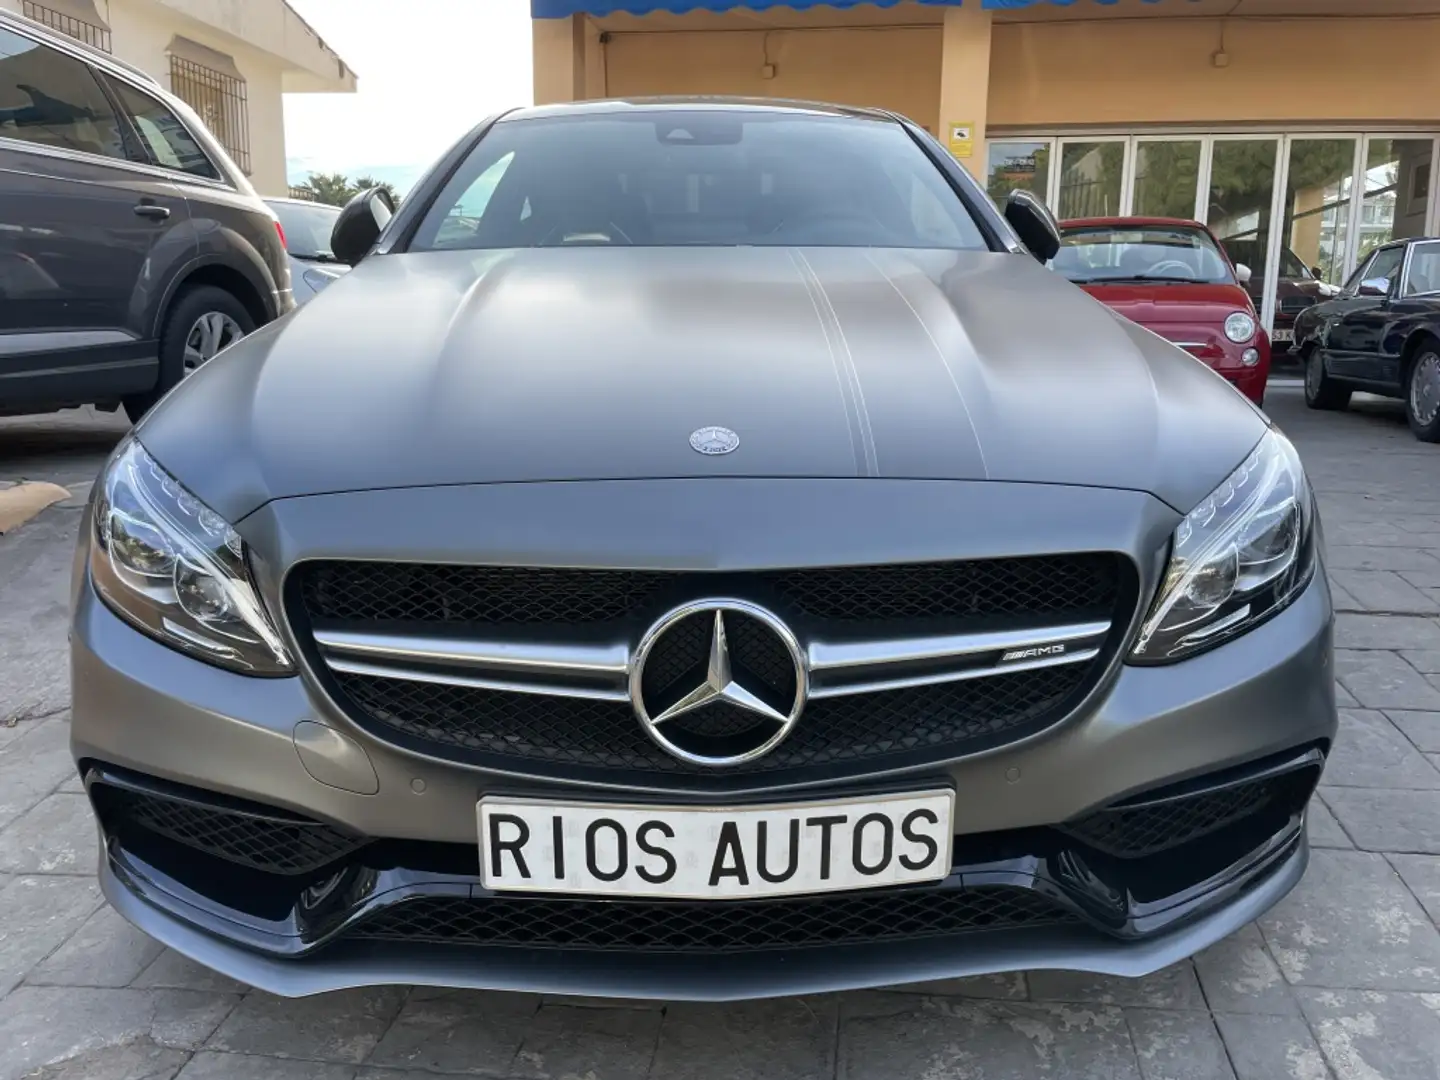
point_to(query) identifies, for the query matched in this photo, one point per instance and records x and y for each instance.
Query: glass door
(1239, 206)
(1166, 177)
(1314, 253)
(1021, 165)
(1092, 172)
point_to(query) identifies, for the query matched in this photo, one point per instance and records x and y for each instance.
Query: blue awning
(558, 9)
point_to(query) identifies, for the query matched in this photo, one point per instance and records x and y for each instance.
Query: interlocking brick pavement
(1341, 980)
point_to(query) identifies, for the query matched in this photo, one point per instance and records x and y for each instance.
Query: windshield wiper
(1158, 279)
(318, 256)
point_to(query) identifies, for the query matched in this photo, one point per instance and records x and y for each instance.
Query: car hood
(594, 363)
(1154, 305)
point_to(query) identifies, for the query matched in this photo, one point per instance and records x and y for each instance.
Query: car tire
(201, 321)
(1422, 394)
(1322, 391)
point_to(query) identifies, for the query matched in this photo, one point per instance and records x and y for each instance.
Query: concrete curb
(20, 502)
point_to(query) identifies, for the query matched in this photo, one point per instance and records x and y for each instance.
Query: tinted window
(1141, 253)
(167, 140)
(52, 99)
(709, 178)
(307, 228)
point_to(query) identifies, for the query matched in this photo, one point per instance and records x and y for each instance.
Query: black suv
(132, 249)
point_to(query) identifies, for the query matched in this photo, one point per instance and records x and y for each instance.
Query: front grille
(947, 718)
(269, 843)
(713, 927)
(1133, 832)
(838, 735)
(1050, 585)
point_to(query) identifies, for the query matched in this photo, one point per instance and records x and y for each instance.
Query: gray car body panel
(591, 364)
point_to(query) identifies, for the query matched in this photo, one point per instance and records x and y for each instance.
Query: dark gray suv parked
(132, 249)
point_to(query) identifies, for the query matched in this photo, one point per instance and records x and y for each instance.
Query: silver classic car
(699, 552)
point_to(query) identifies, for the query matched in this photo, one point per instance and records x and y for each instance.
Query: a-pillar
(965, 82)
(568, 58)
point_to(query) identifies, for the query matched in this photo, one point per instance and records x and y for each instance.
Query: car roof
(718, 103)
(1111, 222)
(65, 43)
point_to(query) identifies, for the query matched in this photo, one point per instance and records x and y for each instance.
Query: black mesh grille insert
(278, 847)
(958, 717)
(1136, 831)
(714, 927)
(424, 593)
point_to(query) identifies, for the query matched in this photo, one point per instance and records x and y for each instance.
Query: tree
(365, 183)
(333, 189)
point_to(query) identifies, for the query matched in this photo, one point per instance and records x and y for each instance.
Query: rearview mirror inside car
(359, 224)
(1034, 224)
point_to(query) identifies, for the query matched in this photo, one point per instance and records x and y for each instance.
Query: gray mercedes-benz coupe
(701, 552)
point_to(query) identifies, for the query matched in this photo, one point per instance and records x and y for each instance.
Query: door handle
(151, 210)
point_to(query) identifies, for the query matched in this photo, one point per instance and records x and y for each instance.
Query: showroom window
(1300, 210)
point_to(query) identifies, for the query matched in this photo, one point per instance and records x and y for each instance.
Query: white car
(307, 228)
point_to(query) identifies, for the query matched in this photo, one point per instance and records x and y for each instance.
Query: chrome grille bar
(599, 671)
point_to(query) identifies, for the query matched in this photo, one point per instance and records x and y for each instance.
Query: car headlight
(173, 568)
(1239, 327)
(1239, 557)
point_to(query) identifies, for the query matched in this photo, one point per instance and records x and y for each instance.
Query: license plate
(705, 853)
(1283, 335)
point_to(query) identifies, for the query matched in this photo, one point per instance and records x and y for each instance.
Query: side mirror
(1242, 272)
(359, 224)
(1034, 224)
(1377, 286)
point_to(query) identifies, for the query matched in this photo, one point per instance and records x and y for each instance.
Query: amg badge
(1032, 654)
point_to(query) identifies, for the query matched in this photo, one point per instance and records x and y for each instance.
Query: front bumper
(145, 714)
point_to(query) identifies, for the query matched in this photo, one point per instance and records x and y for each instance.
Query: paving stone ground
(1341, 981)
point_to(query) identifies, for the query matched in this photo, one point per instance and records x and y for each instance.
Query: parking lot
(1342, 979)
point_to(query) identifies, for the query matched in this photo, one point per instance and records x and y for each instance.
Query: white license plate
(1283, 335)
(724, 853)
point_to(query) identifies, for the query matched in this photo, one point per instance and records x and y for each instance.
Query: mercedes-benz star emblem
(714, 440)
(718, 682)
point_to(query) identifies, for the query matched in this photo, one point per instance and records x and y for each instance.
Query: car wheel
(1321, 391)
(201, 321)
(1422, 396)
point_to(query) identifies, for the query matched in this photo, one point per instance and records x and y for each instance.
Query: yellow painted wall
(895, 69)
(1159, 70)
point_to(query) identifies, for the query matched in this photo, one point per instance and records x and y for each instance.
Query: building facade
(1304, 132)
(229, 60)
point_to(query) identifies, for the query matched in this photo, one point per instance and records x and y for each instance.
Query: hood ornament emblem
(713, 440)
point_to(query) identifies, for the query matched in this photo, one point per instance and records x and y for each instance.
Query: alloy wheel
(210, 333)
(1425, 389)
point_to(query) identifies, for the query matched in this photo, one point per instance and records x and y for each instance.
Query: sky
(428, 71)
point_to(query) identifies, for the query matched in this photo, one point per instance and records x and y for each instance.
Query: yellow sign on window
(962, 138)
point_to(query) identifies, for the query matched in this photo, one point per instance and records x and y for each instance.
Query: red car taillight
(280, 230)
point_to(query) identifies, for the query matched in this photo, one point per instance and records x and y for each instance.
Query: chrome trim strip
(449, 678)
(829, 656)
(33, 341)
(540, 658)
(933, 678)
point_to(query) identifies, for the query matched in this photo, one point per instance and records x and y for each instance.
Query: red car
(1173, 278)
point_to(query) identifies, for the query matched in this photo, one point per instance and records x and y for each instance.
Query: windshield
(696, 177)
(307, 228)
(1166, 253)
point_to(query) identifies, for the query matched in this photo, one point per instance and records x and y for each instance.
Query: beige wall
(891, 68)
(1157, 70)
(1054, 68)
